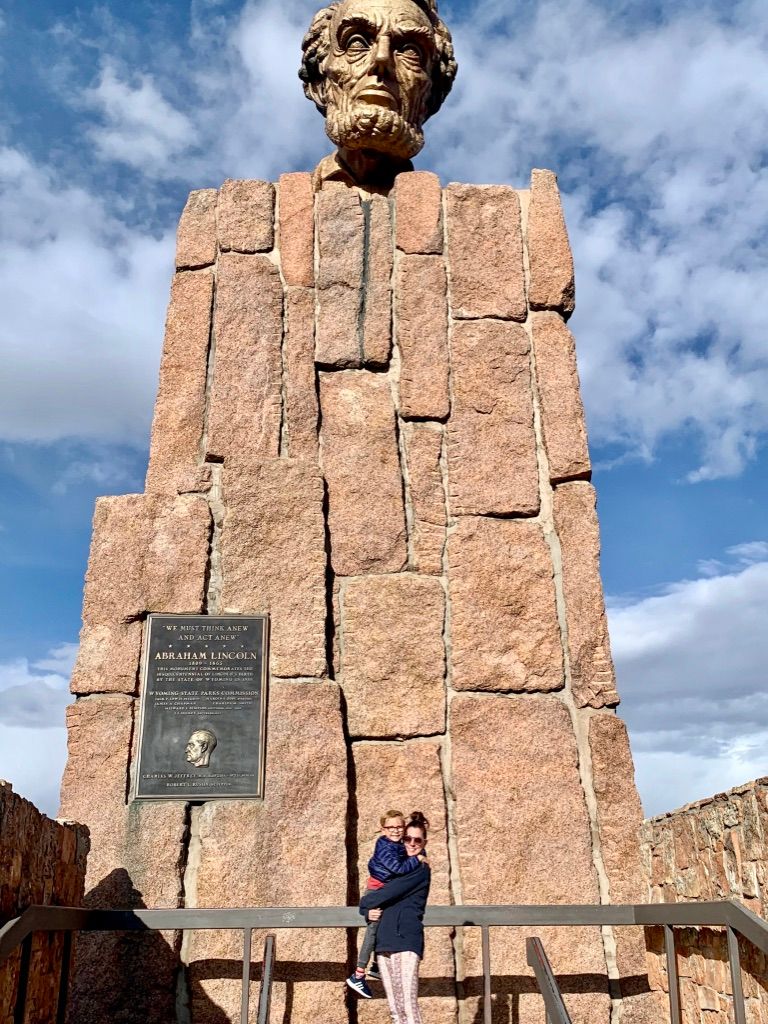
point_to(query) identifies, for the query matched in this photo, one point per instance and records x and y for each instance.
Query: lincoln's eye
(412, 51)
(357, 44)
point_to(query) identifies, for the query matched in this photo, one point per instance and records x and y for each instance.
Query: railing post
(554, 1007)
(20, 1009)
(245, 997)
(735, 962)
(672, 978)
(487, 1005)
(265, 993)
(66, 956)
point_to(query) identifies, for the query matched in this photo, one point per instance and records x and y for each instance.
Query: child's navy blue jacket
(402, 901)
(390, 860)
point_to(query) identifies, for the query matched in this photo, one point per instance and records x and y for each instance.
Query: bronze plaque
(203, 708)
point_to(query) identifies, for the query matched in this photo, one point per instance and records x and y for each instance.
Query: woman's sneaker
(373, 972)
(358, 985)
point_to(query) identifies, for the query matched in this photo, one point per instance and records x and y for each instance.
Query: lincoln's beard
(366, 126)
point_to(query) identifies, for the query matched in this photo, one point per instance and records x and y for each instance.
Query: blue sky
(655, 117)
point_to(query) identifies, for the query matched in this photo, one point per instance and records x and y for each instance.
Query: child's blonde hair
(391, 814)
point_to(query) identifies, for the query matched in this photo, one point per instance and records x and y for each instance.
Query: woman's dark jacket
(390, 860)
(402, 903)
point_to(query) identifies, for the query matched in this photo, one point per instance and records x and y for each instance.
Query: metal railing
(553, 1000)
(267, 973)
(726, 914)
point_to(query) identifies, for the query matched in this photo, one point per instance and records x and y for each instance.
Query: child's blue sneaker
(358, 985)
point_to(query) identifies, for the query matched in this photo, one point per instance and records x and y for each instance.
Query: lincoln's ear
(315, 48)
(315, 91)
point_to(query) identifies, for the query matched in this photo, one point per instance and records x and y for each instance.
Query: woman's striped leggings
(400, 977)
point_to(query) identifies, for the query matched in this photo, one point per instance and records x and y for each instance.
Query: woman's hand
(374, 914)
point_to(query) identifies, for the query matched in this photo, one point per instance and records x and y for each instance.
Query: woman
(399, 908)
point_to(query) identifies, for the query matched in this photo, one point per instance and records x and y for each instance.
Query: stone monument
(369, 428)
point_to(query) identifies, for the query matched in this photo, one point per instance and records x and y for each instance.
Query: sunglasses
(413, 841)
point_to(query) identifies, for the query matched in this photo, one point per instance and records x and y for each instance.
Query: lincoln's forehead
(400, 13)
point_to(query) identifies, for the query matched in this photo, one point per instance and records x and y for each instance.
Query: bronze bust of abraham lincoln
(376, 70)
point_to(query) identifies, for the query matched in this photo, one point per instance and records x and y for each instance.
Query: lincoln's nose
(382, 52)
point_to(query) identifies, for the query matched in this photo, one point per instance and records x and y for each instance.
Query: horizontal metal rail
(553, 1000)
(722, 914)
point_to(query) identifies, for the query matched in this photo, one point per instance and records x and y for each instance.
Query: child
(389, 860)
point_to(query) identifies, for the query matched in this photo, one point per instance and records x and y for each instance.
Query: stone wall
(42, 863)
(712, 850)
(368, 425)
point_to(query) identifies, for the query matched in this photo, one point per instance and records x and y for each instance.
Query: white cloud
(32, 760)
(18, 672)
(108, 469)
(60, 660)
(751, 552)
(32, 734)
(83, 299)
(669, 779)
(140, 127)
(692, 664)
(35, 694)
(252, 112)
(238, 109)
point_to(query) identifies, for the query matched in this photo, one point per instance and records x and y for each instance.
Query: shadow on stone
(507, 990)
(125, 977)
(287, 973)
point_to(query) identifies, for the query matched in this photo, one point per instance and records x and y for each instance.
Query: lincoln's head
(200, 746)
(377, 69)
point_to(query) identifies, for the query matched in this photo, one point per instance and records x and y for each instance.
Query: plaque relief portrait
(200, 745)
(376, 70)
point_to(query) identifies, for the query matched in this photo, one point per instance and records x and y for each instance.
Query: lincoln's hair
(316, 46)
(205, 736)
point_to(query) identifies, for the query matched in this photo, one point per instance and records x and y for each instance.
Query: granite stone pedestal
(369, 427)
